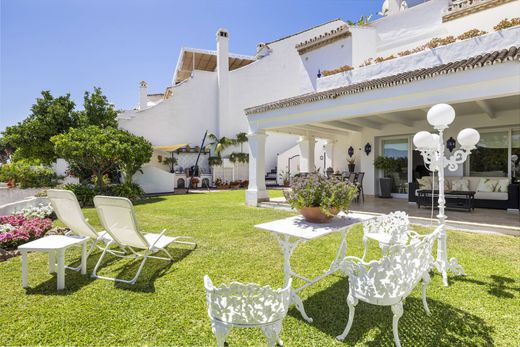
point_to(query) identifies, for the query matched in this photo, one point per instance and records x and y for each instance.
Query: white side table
(54, 245)
(292, 231)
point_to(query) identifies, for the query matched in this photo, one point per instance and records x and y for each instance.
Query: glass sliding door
(515, 154)
(398, 150)
(490, 159)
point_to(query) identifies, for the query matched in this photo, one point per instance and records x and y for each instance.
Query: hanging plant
(215, 161)
(239, 157)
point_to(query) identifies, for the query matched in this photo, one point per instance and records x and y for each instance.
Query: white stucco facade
(217, 95)
(387, 101)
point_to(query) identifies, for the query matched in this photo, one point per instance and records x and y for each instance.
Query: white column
(329, 150)
(256, 191)
(143, 95)
(307, 148)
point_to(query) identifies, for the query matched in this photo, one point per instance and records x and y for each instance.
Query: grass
(167, 304)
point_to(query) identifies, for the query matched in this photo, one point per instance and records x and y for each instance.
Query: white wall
(154, 180)
(183, 118)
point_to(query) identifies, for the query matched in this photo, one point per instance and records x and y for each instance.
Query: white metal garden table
(54, 245)
(292, 231)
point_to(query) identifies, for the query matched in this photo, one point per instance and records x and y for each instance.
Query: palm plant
(220, 144)
(241, 139)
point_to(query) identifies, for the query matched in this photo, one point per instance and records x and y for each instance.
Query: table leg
(52, 262)
(24, 270)
(342, 252)
(61, 269)
(288, 248)
(84, 259)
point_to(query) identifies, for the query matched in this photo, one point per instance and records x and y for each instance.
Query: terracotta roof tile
(496, 57)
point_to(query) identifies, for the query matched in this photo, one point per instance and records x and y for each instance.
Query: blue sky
(69, 46)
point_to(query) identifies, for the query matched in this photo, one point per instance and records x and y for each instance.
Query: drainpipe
(222, 79)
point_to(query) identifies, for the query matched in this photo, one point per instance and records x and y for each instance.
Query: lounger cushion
(163, 241)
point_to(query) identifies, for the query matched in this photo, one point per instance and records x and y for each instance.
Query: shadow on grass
(153, 269)
(447, 326)
(74, 280)
(498, 286)
(150, 200)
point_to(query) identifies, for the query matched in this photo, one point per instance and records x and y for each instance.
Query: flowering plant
(17, 229)
(40, 211)
(315, 190)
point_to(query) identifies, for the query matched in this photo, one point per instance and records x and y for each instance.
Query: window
(398, 149)
(490, 157)
(515, 154)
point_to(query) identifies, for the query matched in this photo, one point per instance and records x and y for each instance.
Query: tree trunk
(99, 175)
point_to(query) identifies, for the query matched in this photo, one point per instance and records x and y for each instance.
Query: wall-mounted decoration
(350, 151)
(368, 148)
(159, 158)
(319, 74)
(450, 144)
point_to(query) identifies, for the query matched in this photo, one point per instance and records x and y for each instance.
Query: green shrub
(131, 191)
(84, 193)
(28, 176)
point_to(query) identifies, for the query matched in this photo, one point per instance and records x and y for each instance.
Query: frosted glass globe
(468, 137)
(423, 139)
(441, 115)
(436, 140)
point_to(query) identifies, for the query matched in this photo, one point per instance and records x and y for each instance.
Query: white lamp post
(431, 147)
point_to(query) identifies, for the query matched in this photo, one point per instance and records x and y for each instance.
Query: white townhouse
(385, 82)
(308, 98)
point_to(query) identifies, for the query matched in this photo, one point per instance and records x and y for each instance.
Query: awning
(170, 148)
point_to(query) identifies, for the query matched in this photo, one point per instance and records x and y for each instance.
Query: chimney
(222, 78)
(143, 95)
(394, 6)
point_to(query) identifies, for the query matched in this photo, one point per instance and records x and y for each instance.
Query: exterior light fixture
(368, 148)
(350, 151)
(431, 147)
(450, 144)
(319, 74)
(441, 116)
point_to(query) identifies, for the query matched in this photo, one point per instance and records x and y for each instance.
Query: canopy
(170, 148)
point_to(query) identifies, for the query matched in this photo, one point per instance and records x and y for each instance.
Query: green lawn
(167, 305)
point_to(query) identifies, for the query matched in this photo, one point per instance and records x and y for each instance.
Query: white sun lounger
(118, 218)
(68, 211)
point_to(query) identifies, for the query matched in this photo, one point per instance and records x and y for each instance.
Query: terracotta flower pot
(315, 215)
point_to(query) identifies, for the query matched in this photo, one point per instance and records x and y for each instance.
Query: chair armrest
(160, 235)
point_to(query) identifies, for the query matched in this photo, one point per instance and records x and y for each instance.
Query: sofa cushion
(487, 185)
(491, 196)
(460, 185)
(502, 185)
(425, 182)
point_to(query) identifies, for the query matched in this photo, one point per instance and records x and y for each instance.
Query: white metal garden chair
(118, 218)
(389, 280)
(67, 209)
(247, 306)
(388, 230)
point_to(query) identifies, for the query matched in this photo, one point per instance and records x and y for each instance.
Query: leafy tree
(100, 150)
(90, 148)
(49, 116)
(97, 110)
(220, 144)
(6, 150)
(135, 151)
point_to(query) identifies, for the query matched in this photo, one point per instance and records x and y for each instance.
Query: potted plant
(388, 165)
(319, 198)
(351, 164)
(171, 162)
(285, 176)
(194, 182)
